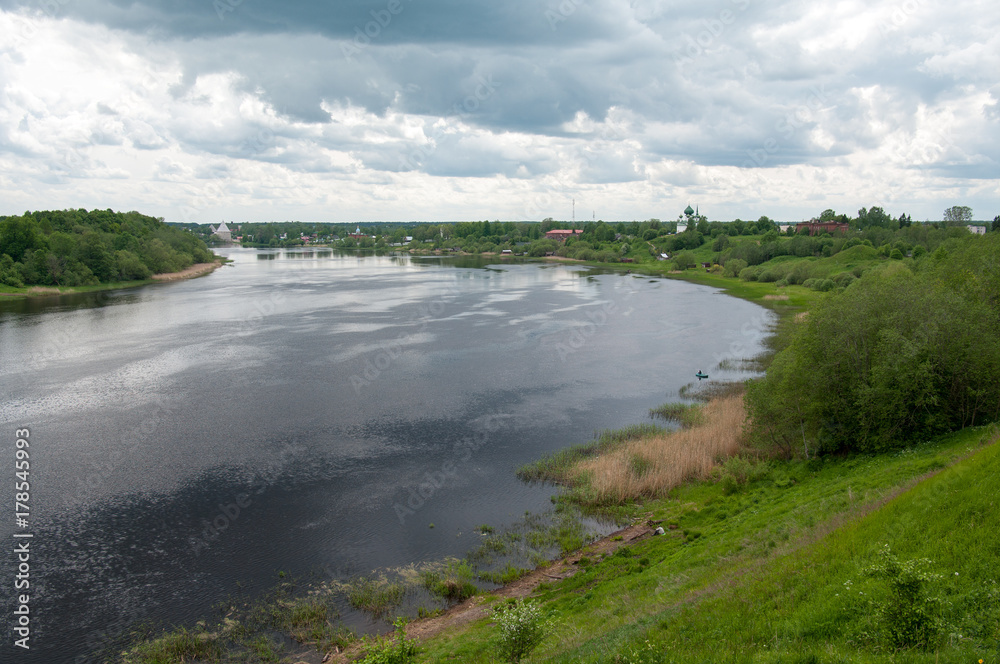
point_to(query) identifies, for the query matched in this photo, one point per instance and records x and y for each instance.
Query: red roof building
(817, 227)
(561, 235)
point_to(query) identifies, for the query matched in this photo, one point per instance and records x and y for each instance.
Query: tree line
(82, 248)
(908, 351)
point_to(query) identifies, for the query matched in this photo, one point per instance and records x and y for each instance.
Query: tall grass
(556, 467)
(652, 465)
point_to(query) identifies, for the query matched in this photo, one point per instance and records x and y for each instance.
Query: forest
(81, 248)
(905, 352)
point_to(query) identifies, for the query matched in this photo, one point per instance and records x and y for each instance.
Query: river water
(305, 410)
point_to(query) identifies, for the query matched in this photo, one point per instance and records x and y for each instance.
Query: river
(304, 410)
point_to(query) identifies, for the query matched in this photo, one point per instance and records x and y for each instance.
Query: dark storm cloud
(513, 22)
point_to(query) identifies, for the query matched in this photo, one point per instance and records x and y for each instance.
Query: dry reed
(653, 465)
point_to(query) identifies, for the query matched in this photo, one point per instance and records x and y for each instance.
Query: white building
(223, 232)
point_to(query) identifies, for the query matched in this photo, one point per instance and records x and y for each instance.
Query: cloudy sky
(201, 110)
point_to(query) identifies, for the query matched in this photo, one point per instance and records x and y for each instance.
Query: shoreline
(191, 272)
(477, 606)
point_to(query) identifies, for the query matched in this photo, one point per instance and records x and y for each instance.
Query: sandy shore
(196, 270)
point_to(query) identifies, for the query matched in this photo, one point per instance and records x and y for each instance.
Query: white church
(223, 232)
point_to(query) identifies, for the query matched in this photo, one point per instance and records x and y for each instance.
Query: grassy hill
(775, 571)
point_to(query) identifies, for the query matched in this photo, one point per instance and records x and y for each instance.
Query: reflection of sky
(262, 341)
(166, 400)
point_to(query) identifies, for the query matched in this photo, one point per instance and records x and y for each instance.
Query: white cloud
(633, 109)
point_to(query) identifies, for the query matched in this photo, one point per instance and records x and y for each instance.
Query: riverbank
(194, 271)
(761, 570)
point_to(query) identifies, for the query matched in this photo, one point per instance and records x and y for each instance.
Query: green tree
(958, 215)
(684, 260)
(896, 357)
(734, 266)
(18, 235)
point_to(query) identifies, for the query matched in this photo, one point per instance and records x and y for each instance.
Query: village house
(561, 235)
(818, 227)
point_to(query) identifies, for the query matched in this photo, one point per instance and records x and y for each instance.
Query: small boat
(701, 375)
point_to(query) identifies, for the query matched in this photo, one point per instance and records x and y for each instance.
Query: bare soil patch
(195, 270)
(477, 607)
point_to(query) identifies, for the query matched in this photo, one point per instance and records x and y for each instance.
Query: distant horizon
(974, 222)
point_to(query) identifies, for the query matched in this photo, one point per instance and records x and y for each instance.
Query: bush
(749, 274)
(521, 628)
(734, 266)
(906, 617)
(799, 273)
(843, 280)
(767, 276)
(394, 649)
(684, 260)
(822, 285)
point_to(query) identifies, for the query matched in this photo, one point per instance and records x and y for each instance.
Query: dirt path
(476, 607)
(195, 270)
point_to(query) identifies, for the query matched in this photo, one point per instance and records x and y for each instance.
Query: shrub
(749, 274)
(734, 266)
(393, 649)
(684, 260)
(767, 276)
(521, 628)
(737, 471)
(822, 285)
(907, 617)
(799, 273)
(844, 279)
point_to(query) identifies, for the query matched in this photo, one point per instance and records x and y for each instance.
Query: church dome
(688, 211)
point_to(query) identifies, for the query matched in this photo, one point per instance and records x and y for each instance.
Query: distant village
(397, 234)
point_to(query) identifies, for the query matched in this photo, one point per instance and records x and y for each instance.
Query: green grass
(451, 581)
(376, 596)
(502, 577)
(179, 646)
(758, 575)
